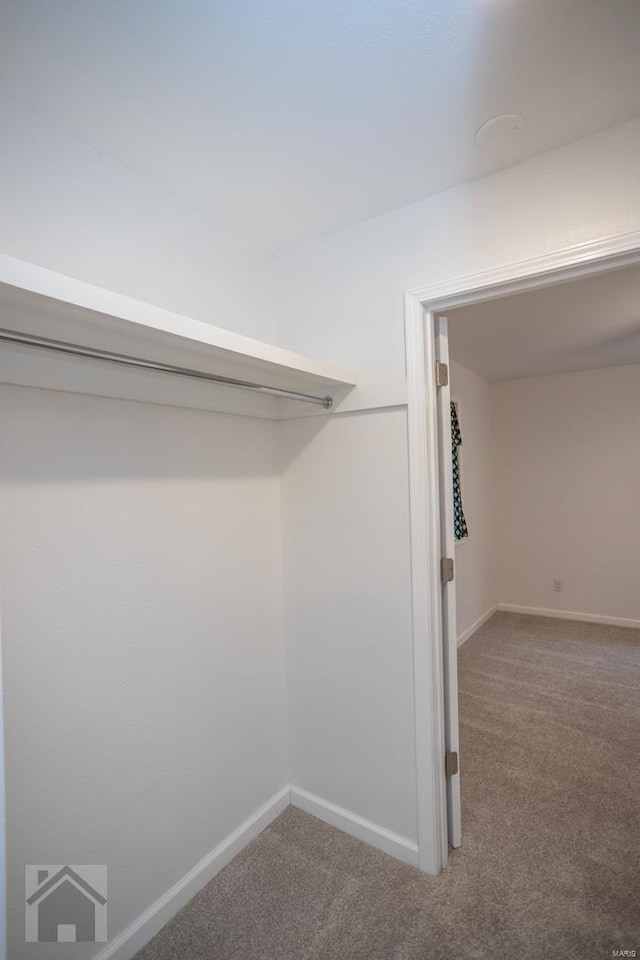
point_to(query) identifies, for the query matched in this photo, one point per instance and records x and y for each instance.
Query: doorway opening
(432, 516)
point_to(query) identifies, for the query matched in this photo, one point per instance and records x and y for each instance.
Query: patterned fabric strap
(459, 523)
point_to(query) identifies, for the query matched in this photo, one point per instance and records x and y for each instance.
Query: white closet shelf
(40, 302)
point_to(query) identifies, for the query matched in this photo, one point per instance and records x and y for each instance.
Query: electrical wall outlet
(558, 586)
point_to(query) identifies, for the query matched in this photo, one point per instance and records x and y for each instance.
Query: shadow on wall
(61, 437)
(301, 433)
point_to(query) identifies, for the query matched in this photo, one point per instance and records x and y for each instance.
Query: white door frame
(421, 305)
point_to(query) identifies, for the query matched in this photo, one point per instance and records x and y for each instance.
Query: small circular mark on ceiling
(501, 132)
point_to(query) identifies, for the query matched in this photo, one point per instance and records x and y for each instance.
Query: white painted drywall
(3, 819)
(69, 208)
(341, 298)
(298, 118)
(351, 284)
(567, 481)
(587, 323)
(475, 560)
(140, 580)
(346, 576)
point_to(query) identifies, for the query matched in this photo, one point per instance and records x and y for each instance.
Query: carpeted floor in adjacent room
(550, 741)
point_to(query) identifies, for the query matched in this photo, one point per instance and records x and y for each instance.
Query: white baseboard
(569, 615)
(469, 632)
(358, 827)
(134, 937)
(144, 927)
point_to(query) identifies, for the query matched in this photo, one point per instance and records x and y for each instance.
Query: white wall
(140, 578)
(476, 592)
(567, 481)
(346, 575)
(3, 819)
(145, 693)
(341, 298)
(66, 207)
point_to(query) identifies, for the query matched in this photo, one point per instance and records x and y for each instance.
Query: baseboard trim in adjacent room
(570, 615)
(126, 944)
(392, 843)
(469, 632)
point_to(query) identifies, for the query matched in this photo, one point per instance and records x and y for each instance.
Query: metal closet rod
(76, 350)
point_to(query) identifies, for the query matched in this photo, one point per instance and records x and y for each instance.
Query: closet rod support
(76, 350)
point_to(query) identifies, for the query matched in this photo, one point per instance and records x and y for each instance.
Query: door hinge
(446, 569)
(442, 374)
(450, 764)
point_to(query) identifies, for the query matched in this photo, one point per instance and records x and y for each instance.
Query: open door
(447, 552)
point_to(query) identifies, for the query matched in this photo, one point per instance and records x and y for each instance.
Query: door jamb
(420, 306)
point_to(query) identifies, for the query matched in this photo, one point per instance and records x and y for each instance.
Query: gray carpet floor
(550, 742)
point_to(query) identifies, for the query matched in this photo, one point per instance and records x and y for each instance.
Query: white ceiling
(292, 119)
(594, 322)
